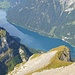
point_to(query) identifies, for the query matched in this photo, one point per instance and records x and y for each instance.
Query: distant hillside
(11, 52)
(57, 57)
(4, 4)
(54, 18)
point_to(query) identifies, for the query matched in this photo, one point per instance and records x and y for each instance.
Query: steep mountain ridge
(11, 52)
(46, 17)
(57, 57)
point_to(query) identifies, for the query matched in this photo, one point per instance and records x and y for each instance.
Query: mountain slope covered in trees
(53, 18)
(11, 52)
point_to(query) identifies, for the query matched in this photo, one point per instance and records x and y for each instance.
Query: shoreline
(42, 34)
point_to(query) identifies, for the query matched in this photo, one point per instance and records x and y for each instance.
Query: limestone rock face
(57, 57)
(67, 5)
(11, 52)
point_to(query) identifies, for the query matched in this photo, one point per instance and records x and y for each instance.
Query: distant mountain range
(53, 18)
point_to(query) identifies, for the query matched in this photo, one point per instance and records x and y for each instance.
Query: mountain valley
(46, 17)
(37, 37)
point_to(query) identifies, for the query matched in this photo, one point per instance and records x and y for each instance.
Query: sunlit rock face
(67, 5)
(11, 52)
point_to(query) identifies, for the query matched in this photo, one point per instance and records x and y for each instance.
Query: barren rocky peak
(43, 61)
(67, 5)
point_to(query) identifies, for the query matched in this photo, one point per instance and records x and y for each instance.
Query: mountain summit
(57, 57)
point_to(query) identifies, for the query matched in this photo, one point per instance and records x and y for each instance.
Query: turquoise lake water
(32, 39)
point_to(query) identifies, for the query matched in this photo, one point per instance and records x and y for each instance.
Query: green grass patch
(13, 62)
(34, 56)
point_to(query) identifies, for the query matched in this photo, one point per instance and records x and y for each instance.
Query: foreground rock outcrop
(57, 57)
(69, 70)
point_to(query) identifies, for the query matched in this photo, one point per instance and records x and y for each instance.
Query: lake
(32, 39)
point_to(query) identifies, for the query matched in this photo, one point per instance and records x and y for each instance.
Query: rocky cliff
(57, 57)
(11, 52)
